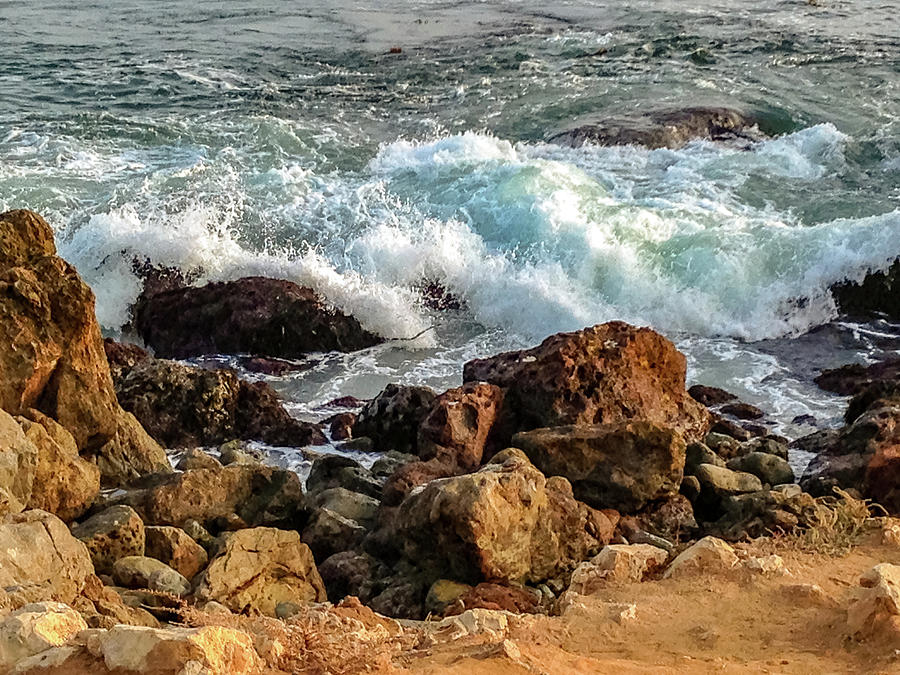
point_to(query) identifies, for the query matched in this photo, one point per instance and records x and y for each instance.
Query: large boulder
(18, 465)
(34, 628)
(255, 315)
(187, 406)
(393, 417)
(854, 378)
(130, 454)
(175, 548)
(40, 559)
(456, 427)
(505, 523)
(258, 569)
(609, 373)
(621, 466)
(114, 533)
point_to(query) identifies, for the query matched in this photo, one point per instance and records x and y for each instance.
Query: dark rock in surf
(393, 417)
(877, 293)
(710, 396)
(667, 129)
(853, 378)
(743, 411)
(253, 315)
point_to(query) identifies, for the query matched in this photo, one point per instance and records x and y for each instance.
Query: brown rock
(514, 599)
(412, 475)
(18, 465)
(130, 454)
(114, 533)
(260, 568)
(393, 417)
(606, 374)
(123, 356)
(195, 458)
(176, 549)
(743, 411)
(710, 396)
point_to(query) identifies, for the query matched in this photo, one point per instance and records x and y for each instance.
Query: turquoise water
(283, 139)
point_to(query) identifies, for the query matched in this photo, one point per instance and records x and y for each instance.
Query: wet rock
(436, 296)
(260, 568)
(768, 468)
(854, 378)
(40, 557)
(195, 458)
(728, 428)
(710, 396)
(331, 471)
(393, 417)
(505, 523)
(176, 549)
(707, 556)
(743, 411)
(456, 427)
(116, 532)
(875, 294)
(667, 129)
(187, 406)
(144, 572)
(236, 452)
(269, 366)
(606, 374)
(618, 564)
(340, 426)
(253, 315)
(622, 466)
(34, 628)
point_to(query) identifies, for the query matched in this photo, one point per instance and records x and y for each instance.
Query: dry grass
(839, 523)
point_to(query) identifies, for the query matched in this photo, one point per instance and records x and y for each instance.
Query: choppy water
(282, 139)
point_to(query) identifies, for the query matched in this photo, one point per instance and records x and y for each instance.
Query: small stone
(143, 572)
(709, 555)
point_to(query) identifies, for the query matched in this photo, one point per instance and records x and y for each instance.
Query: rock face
(260, 568)
(254, 315)
(393, 417)
(51, 351)
(116, 532)
(186, 406)
(606, 374)
(667, 129)
(876, 293)
(621, 466)
(505, 523)
(456, 428)
(34, 628)
(18, 465)
(40, 557)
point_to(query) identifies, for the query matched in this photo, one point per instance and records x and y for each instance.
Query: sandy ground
(742, 624)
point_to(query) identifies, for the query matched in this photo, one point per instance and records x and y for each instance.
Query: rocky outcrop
(40, 559)
(393, 417)
(116, 532)
(253, 315)
(505, 523)
(187, 406)
(666, 129)
(617, 564)
(621, 466)
(877, 293)
(260, 568)
(606, 374)
(130, 454)
(854, 378)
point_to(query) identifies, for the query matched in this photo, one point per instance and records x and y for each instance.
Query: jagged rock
(187, 406)
(102, 607)
(410, 476)
(768, 468)
(606, 374)
(331, 471)
(622, 466)
(123, 356)
(505, 523)
(393, 417)
(34, 628)
(726, 427)
(876, 602)
(707, 556)
(116, 532)
(875, 294)
(670, 518)
(697, 454)
(18, 465)
(253, 315)
(130, 454)
(743, 411)
(40, 557)
(236, 452)
(710, 396)
(176, 549)
(456, 427)
(387, 464)
(617, 564)
(328, 533)
(723, 445)
(756, 514)
(260, 568)
(854, 378)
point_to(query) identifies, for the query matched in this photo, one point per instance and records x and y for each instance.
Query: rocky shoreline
(581, 464)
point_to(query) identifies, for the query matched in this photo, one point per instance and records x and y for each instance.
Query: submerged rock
(253, 315)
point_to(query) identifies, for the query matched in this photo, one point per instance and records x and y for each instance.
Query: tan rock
(174, 547)
(36, 627)
(142, 572)
(39, 555)
(617, 564)
(130, 453)
(258, 569)
(876, 602)
(18, 465)
(708, 556)
(114, 533)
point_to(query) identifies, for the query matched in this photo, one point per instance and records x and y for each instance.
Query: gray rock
(392, 418)
(697, 454)
(770, 469)
(328, 533)
(144, 572)
(351, 505)
(195, 458)
(765, 444)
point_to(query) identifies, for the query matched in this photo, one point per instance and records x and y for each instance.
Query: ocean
(366, 150)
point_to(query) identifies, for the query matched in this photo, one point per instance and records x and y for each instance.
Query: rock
(176, 549)
(710, 396)
(707, 556)
(444, 593)
(270, 366)
(488, 623)
(102, 607)
(722, 482)
(669, 518)
(198, 533)
(352, 505)
(393, 417)
(667, 129)
(854, 378)
(622, 466)
(130, 454)
(18, 465)
(767, 444)
(505, 523)
(403, 597)
(235, 452)
(260, 568)
(723, 445)
(728, 428)
(875, 294)
(34, 628)
(697, 454)
(743, 411)
(253, 315)
(351, 573)
(187, 406)
(387, 464)
(690, 488)
(877, 602)
(497, 597)
(340, 426)
(195, 458)
(116, 532)
(768, 468)
(617, 564)
(39, 555)
(767, 565)
(405, 479)
(259, 495)
(64, 483)
(143, 572)
(606, 374)
(331, 471)
(328, 533)
(123, 356)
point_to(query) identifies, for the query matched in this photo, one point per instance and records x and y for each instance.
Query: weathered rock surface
(497, 597)
(768, 468)
(617, 564)
(258, 569)
(710, 396)
(707, 556)
(195, 458)
(116, 532)
(142, 572)
(18, 465)
(854, 378)
(130, 454)
(622, 466)
(718, 483)
(606, 374)
(187, 406)
(667, 129)
(333, 471)
(40, 559)
(876, 602)
(34, 628)
(353, 505)
(328, 532)
(253, 315)
(176, 549)
(393, 417)
(505, 523)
